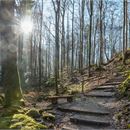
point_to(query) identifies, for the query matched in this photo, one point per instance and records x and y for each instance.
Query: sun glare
(26, 26)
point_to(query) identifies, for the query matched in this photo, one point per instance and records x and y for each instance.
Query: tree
(125, 25)
(72, 55)
(90, 35)
(40, 47)
(56, 5)
(101, 32)
(11, 79)
(81, 38)
(63, 11)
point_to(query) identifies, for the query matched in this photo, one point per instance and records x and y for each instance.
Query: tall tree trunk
(90, 35)
(63, 39)
(68, 46)
(57, 22)
(124, 24)
(40, 49)
(101, 34)
(13, 93)
(126, 19)
(81, 38)
(72, 55)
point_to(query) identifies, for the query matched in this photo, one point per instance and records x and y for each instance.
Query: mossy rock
(48, 116)
(24, 122)
(34, 113)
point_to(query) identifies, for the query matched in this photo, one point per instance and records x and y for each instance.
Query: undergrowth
(24, 122)
(124, 86)
(25, 119)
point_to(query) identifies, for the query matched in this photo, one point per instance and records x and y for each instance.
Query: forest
(64, 64)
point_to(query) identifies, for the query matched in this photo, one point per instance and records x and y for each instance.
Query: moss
(121, 68)
(22, 110)
(5, 122)
(118, 115)
(119, 56)
(48, 116)
(124, 86)
(128, 126)
(34, 113)
(25, 122)
(126, 73)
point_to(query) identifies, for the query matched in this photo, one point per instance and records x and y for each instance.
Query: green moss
(124, 86)
(25, 122)
(5, 122)
(22, 110)
(121, 68)
(126, 73)
(128, 126)
(48, 116)
(118, 115)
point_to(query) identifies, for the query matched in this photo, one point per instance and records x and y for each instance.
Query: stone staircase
(91, 112)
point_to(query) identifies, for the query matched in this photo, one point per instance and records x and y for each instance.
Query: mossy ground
(125, 85)
(24, 122)
(24, 119)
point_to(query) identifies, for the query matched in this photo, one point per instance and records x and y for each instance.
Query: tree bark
(13, 93)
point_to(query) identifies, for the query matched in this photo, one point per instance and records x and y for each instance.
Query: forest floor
(98, 106)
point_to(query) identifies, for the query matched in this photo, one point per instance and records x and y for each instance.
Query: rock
(34, 113)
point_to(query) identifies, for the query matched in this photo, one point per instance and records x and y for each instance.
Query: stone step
(87, 107)
(68, 128)
(99, 121)
(105, 87)
(111, 83)
(115, 80)
(100, 93)
(84, 127)
(101, 99)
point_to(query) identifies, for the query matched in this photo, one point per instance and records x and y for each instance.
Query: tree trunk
(90, 31)
(101, 34)
(81, 39)
(72, 55)
(13, 93)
